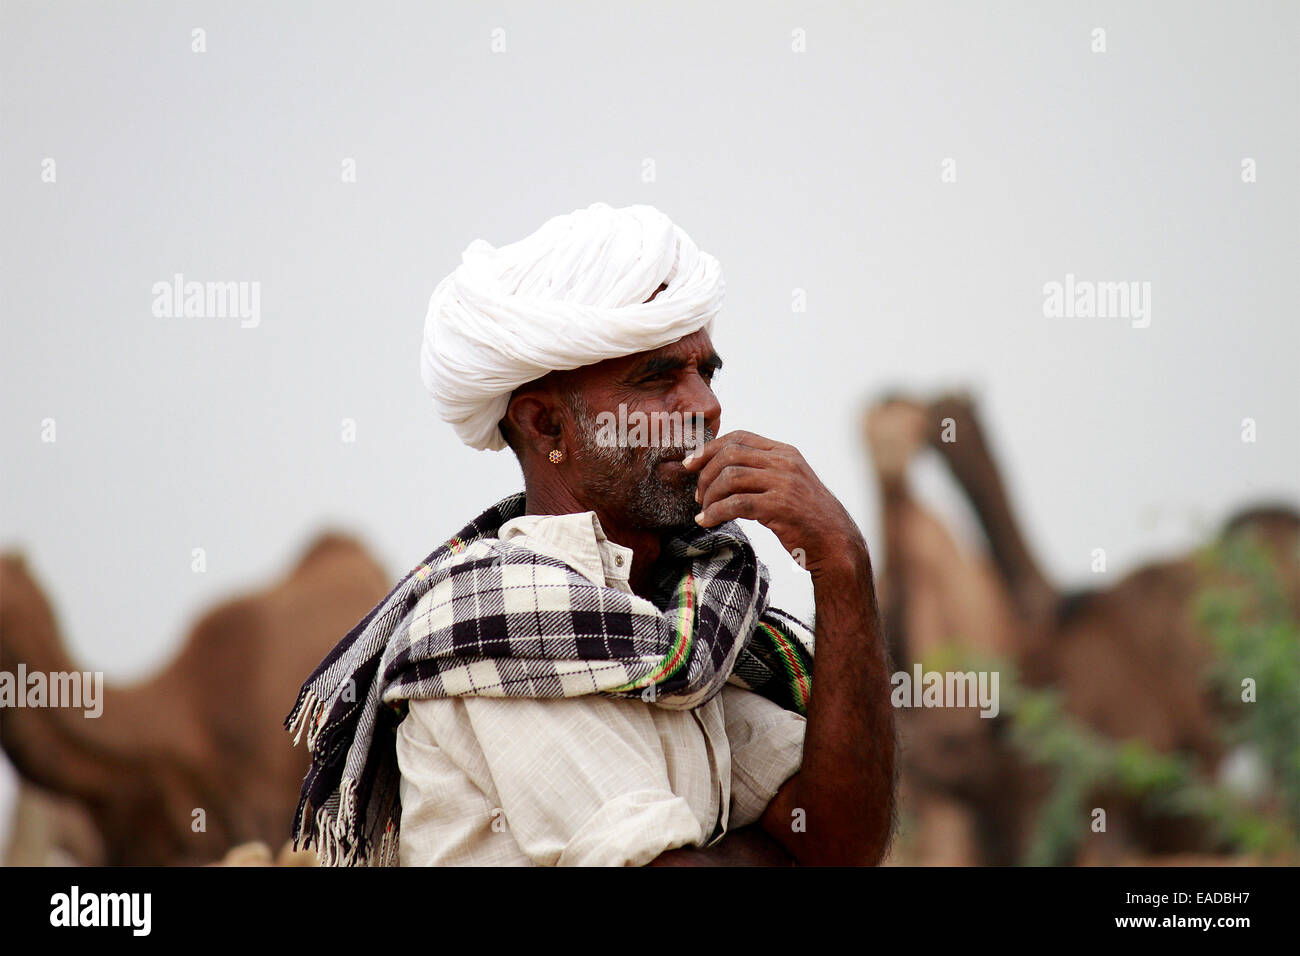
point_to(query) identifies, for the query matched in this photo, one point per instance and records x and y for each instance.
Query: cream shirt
(591, 780)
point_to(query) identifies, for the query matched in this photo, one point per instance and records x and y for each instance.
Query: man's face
(638, 478)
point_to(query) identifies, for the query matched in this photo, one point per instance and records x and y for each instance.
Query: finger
(734, 479)
(703, 453)
(733, 506)
(706, 451)
(732, 455)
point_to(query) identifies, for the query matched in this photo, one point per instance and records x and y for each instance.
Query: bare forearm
(839, 807)
(845, 787)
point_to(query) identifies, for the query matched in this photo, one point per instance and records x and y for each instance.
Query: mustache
(690, 442)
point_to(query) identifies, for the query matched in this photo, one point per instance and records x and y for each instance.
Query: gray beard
(628, 480)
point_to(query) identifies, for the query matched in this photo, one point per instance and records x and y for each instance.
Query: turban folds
(571, 294)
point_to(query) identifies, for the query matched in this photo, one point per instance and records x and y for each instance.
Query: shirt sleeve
(766, 751)
(580, 781)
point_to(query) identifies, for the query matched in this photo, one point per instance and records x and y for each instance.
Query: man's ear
(534, 416)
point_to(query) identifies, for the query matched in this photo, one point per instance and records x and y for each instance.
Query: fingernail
(697, 496)
(699, 518)
(688, 459)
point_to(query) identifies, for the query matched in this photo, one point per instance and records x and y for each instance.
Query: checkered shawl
(484, 617)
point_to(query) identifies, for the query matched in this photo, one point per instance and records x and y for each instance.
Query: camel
(1129, 659)
(48, 830)
(258, 853)
(183, 766)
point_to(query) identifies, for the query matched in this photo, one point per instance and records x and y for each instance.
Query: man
(590, 673)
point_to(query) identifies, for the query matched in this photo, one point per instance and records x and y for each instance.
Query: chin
(681, 518)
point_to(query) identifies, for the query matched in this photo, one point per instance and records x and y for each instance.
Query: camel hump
(331, 543)
(1270, 517)
(16, 576)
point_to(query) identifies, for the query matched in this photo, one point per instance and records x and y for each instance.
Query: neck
(644, 542)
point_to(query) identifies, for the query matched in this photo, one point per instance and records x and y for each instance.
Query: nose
(697, 399)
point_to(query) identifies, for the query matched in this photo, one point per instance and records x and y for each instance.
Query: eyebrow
(667, 363)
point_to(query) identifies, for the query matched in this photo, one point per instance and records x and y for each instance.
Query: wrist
(845, 559)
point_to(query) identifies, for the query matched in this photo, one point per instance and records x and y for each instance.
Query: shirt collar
(576, 539)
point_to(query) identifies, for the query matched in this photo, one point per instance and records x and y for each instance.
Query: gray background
(816, 170)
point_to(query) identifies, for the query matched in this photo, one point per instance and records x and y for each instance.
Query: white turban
(571, 294)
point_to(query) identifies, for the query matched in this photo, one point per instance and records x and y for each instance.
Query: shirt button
(618, 559)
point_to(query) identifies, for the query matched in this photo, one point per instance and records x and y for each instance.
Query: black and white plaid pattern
(481, 617)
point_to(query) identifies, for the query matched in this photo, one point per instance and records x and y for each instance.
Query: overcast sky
(804, 145)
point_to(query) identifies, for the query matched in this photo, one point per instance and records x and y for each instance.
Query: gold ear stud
(556, 456)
